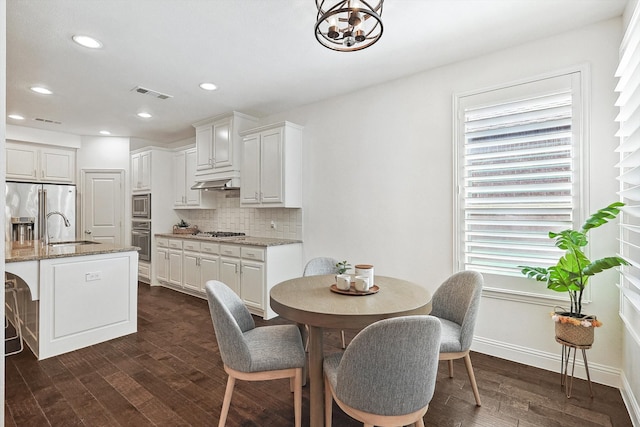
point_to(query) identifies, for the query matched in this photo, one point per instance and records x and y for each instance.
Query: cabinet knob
(87, 231)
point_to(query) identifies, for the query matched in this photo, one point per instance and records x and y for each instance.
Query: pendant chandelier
(348, 25)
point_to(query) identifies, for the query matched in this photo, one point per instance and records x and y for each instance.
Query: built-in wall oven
(141, 237)
(141, 206)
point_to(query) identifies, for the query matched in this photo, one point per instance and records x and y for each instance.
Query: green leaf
(568, 239)
(602, 216)
(603, 264)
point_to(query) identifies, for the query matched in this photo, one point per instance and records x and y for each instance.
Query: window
(628, 87)
(518, 173)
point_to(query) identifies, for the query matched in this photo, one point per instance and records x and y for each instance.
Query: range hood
(215, 182)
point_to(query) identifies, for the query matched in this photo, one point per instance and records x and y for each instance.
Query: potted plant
(571, 275)
(183, 227)
(343, 267)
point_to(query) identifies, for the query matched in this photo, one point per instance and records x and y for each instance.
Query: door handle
(87, 231)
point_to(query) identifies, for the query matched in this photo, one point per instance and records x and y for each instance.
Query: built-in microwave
(141, 206)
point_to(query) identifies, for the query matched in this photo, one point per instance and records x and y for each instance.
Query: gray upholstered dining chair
(250, 353)
(387, 375)
(456, 303)
(318, 266)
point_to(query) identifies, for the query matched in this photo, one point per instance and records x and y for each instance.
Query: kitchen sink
(73, 243)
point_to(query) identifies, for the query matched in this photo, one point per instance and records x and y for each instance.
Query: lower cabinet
(251, 271)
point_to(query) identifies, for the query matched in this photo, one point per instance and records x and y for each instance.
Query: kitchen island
(73, 295)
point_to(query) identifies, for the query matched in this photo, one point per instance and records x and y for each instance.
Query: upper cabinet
(141, 171)
(33, 162)
(184, 170)
(218, 142)
(272, 166)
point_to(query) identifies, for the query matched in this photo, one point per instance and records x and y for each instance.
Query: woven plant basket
(575, 334)
(184, 230)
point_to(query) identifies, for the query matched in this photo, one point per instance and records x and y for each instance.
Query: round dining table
(310, 301)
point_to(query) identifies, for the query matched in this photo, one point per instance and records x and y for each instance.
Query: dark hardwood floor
(170, 374)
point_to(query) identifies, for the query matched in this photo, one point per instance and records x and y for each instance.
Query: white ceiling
(262, 54)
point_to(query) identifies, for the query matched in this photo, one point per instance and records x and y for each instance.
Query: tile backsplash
(229, 216)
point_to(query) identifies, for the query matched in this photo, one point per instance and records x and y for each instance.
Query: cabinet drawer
(250, 252)
(143, 270)
(190, 245)
(163, 243)
(210, 248)
(175, 244)
(228, 250)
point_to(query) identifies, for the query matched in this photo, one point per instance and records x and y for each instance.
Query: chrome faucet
(46, 224)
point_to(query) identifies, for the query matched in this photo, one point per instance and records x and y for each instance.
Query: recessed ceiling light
(105, 132)
(42, 90)
(144, 115)
(208, 86)
(15, 117)
(87, 41)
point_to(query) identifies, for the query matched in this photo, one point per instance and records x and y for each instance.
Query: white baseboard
(601, 374)
(630, 402)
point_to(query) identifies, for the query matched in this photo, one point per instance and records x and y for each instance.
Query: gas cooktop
(220, 234)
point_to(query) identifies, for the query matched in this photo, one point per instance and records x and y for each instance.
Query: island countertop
(34, 250)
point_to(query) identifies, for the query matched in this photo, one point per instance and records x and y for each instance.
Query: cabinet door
(208, 269)
(250, 183)
(230, 273)
(192, 197)
(57, 165)
(222, 144)
(204, 147)
(162, 264)
(22, 162)
(145, 170)
(179, 172)
(191, 266)
(175, 267)
(135, 171)
(252, 286)
(271, 171)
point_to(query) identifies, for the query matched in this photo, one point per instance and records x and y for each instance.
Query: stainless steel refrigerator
(32, 207)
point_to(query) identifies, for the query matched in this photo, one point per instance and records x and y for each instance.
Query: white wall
(42, 136)
(378, 184)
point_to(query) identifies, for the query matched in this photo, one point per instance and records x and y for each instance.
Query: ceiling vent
(47, 121)
(145, 91)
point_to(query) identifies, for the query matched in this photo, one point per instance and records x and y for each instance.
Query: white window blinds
(628, 101)
(517, 175)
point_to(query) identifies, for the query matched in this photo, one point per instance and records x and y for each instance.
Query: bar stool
(564, 364)
(11, 288)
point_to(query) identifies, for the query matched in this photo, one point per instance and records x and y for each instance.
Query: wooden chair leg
(472, 378)
(450, 363)
(328, 402)
(344, 342)
(420, 422)
(226, 402)
(297, 398)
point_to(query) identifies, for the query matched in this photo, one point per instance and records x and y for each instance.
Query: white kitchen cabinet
(144, 272)
(161, 260)
(41, 163)
(175, 262)
(250, 271)
(141, 171)
(272, 166)
(184, 172)
(218, 142)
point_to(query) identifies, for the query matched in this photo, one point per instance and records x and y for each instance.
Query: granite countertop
(34, 250)
(239, 240)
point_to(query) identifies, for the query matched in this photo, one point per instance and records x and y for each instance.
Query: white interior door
(103, 206)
